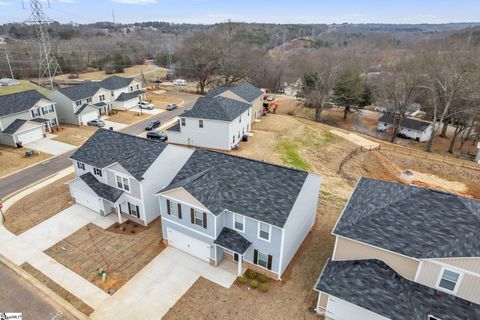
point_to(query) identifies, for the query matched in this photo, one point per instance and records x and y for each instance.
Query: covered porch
(234, 243)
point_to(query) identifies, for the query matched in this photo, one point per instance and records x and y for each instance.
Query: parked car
(180, 82)
(158, 81)
(157, 135)
(152, 125)
(145, 105)
(96, 123)
(171, 106)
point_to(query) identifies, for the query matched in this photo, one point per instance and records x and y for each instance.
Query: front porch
(232, 243)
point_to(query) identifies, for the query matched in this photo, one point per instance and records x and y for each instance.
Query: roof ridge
(130, 135)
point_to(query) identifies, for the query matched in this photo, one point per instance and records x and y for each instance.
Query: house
(117, 173)
(221, 206)
(213, 122)
(81, 103)
(403, 252)
(125, 93)
(478, 154)
(409, 127)
(25, 117)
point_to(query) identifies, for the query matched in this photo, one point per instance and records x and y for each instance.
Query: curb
(40, 286)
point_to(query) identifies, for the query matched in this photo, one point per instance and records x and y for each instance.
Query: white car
(145, 105)
(180, 82)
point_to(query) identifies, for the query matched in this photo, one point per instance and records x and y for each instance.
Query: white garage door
(89, 116)
(30, 135)
(90, 201)
(338, 309)
(131, 103)
(188, 244)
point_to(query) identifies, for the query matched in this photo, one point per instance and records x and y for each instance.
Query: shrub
(243, 279)
(251, 274)
(262, 278)
(265, 287)
(254, 284)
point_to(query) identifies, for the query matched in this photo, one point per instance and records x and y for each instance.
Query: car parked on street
(152, 125)
(171, 106)
(180, 82)
(145, 105)
(99, 123)
(157, 135)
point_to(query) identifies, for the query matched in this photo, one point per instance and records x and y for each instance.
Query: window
(238, 222)
(123, 183)
(97, 171)
(79, 102)
(199, 218)
(138, 87)
(89, 100)
(35, 113)
(240, 119)
(233, 140)
(238, 134)
(131, 88)
(133, 210)
(101, 97)
(200, 123)
(248, 112)
(182, 121)
(174, 209)
(112, 93)
(430, 317)
(53, 122)
(262, 259)
(81, 165)
(264, 231)
(449, 280)
(47, 109)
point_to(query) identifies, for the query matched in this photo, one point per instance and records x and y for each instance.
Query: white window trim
(269, 232)
(243, 222)
(123, 177)
(258, 260)
(457, 285)
(96, 174)
(432, 317)
(195, 211)
(173, 203)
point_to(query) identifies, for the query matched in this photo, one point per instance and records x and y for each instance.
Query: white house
(409, 127)
(125, 93)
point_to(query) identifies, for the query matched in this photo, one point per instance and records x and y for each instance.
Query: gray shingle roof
(373, 285)
(128, 96)
(217, 108)
(101, 189)
(81, 91)
(246, 91)
(19, 102)
(115, 82)
(175, 127)
(232, 240)
(259, 190)
(40, 120)
(409, 123)
(413, 221)
(14, 126)
(80, 110)
(100, 104)
(106, 147)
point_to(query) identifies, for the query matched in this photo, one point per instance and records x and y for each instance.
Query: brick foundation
(165, 242)
(247, 265)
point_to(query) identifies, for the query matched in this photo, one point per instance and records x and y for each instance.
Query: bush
(254, 284)
(262, 278)
(265, 287)
(251, 274)
(243, 279)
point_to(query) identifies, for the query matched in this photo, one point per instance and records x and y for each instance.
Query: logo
(10, 316)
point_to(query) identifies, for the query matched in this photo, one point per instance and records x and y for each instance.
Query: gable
(184, 196)
(230, 95)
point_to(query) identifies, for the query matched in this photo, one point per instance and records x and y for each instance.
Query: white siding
(214, 134)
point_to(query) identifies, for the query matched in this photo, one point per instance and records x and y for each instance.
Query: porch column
(119, 213)
(240, 262)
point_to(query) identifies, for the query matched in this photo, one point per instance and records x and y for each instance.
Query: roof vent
(407, 176)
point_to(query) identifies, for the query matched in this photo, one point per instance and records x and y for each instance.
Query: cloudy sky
(277, 11)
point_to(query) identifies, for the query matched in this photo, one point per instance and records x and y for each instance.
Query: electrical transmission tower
(49, 67)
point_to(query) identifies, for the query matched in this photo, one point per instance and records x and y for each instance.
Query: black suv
(152, 125)
(157, 135)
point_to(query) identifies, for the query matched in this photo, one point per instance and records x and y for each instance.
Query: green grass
(291, 156)
(23, 86)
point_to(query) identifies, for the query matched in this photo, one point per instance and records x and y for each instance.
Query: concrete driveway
(145, 111)
(158, 286)
(50, 146)
(115, 125)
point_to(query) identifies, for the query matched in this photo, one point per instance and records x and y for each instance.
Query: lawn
(75, 135)
(134, 71)
(161, 101)
(38, 206)
(14, 159)
(128, 117)
(120, 254)
(23, 86)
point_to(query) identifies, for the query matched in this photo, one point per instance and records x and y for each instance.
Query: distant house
(403, 252)
(25, 117)
(125, 93)
(409, 127)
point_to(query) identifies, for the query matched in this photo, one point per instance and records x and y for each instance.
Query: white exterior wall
(257, 106)
(238, 128)
(214, 134)
(413, 134)
(65, 108)
(27, 115)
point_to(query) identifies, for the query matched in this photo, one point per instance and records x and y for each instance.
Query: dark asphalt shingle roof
(40, 120)
(413, 221)
(373, 285)
(115, 82)
(100, 104)
(175, 127)
(81, 91)
(106, 147)
(217, 108)
(409, 123)
(80, 110)
(128, 96)
(232, 240)
(19, 102)
(14, 126)
(259, 190)
(101, 189)
(246, 91)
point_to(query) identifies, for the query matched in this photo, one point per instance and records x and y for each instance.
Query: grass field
(23, 86)
(135, 71)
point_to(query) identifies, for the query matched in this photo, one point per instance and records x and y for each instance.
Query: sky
(275, 11)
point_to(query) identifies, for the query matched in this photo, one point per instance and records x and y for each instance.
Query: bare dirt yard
(38, 206)
(161, 101)
(128, 117)
(14, 159)
(121, 255)
(134, 71)
(75, 135)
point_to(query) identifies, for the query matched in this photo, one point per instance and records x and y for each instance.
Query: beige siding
(233, 96)
(350, 250)
(322, 300)
(429, 273)
(470, 264)
(184, 196)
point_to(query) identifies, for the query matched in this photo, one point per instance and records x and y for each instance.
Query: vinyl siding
(470, 264)
(134, 184)
(214, 134)
(183, 195)
(429, 273)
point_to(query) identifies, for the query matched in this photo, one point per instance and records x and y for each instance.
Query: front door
(235, 257)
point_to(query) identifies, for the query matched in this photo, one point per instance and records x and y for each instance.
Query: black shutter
(269, 265)
(205, 220)
(168, 206)
(138, 212)
(192, 216)
(179, 210)
(129, 209)
(255, 256)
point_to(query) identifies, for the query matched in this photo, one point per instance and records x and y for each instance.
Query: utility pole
(49, 66)
(8, 61)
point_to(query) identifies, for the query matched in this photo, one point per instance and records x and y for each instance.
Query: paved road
(26, 177)
(17, 295)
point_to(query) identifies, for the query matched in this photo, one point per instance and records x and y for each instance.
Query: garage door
(338, 309)
(90, 201)
(30, 135)
(89, 116)
(188, 244)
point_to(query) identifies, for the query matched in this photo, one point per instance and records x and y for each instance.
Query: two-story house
(117, 173)
(25, 117)
(221, 206)
(81, 103)
(213, 122)
(411, 128)
(403, 252)
(125, 93)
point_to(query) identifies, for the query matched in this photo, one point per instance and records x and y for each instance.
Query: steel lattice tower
(49, 67)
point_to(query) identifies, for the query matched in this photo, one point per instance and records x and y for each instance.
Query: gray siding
(65, 108)
(134, 184)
